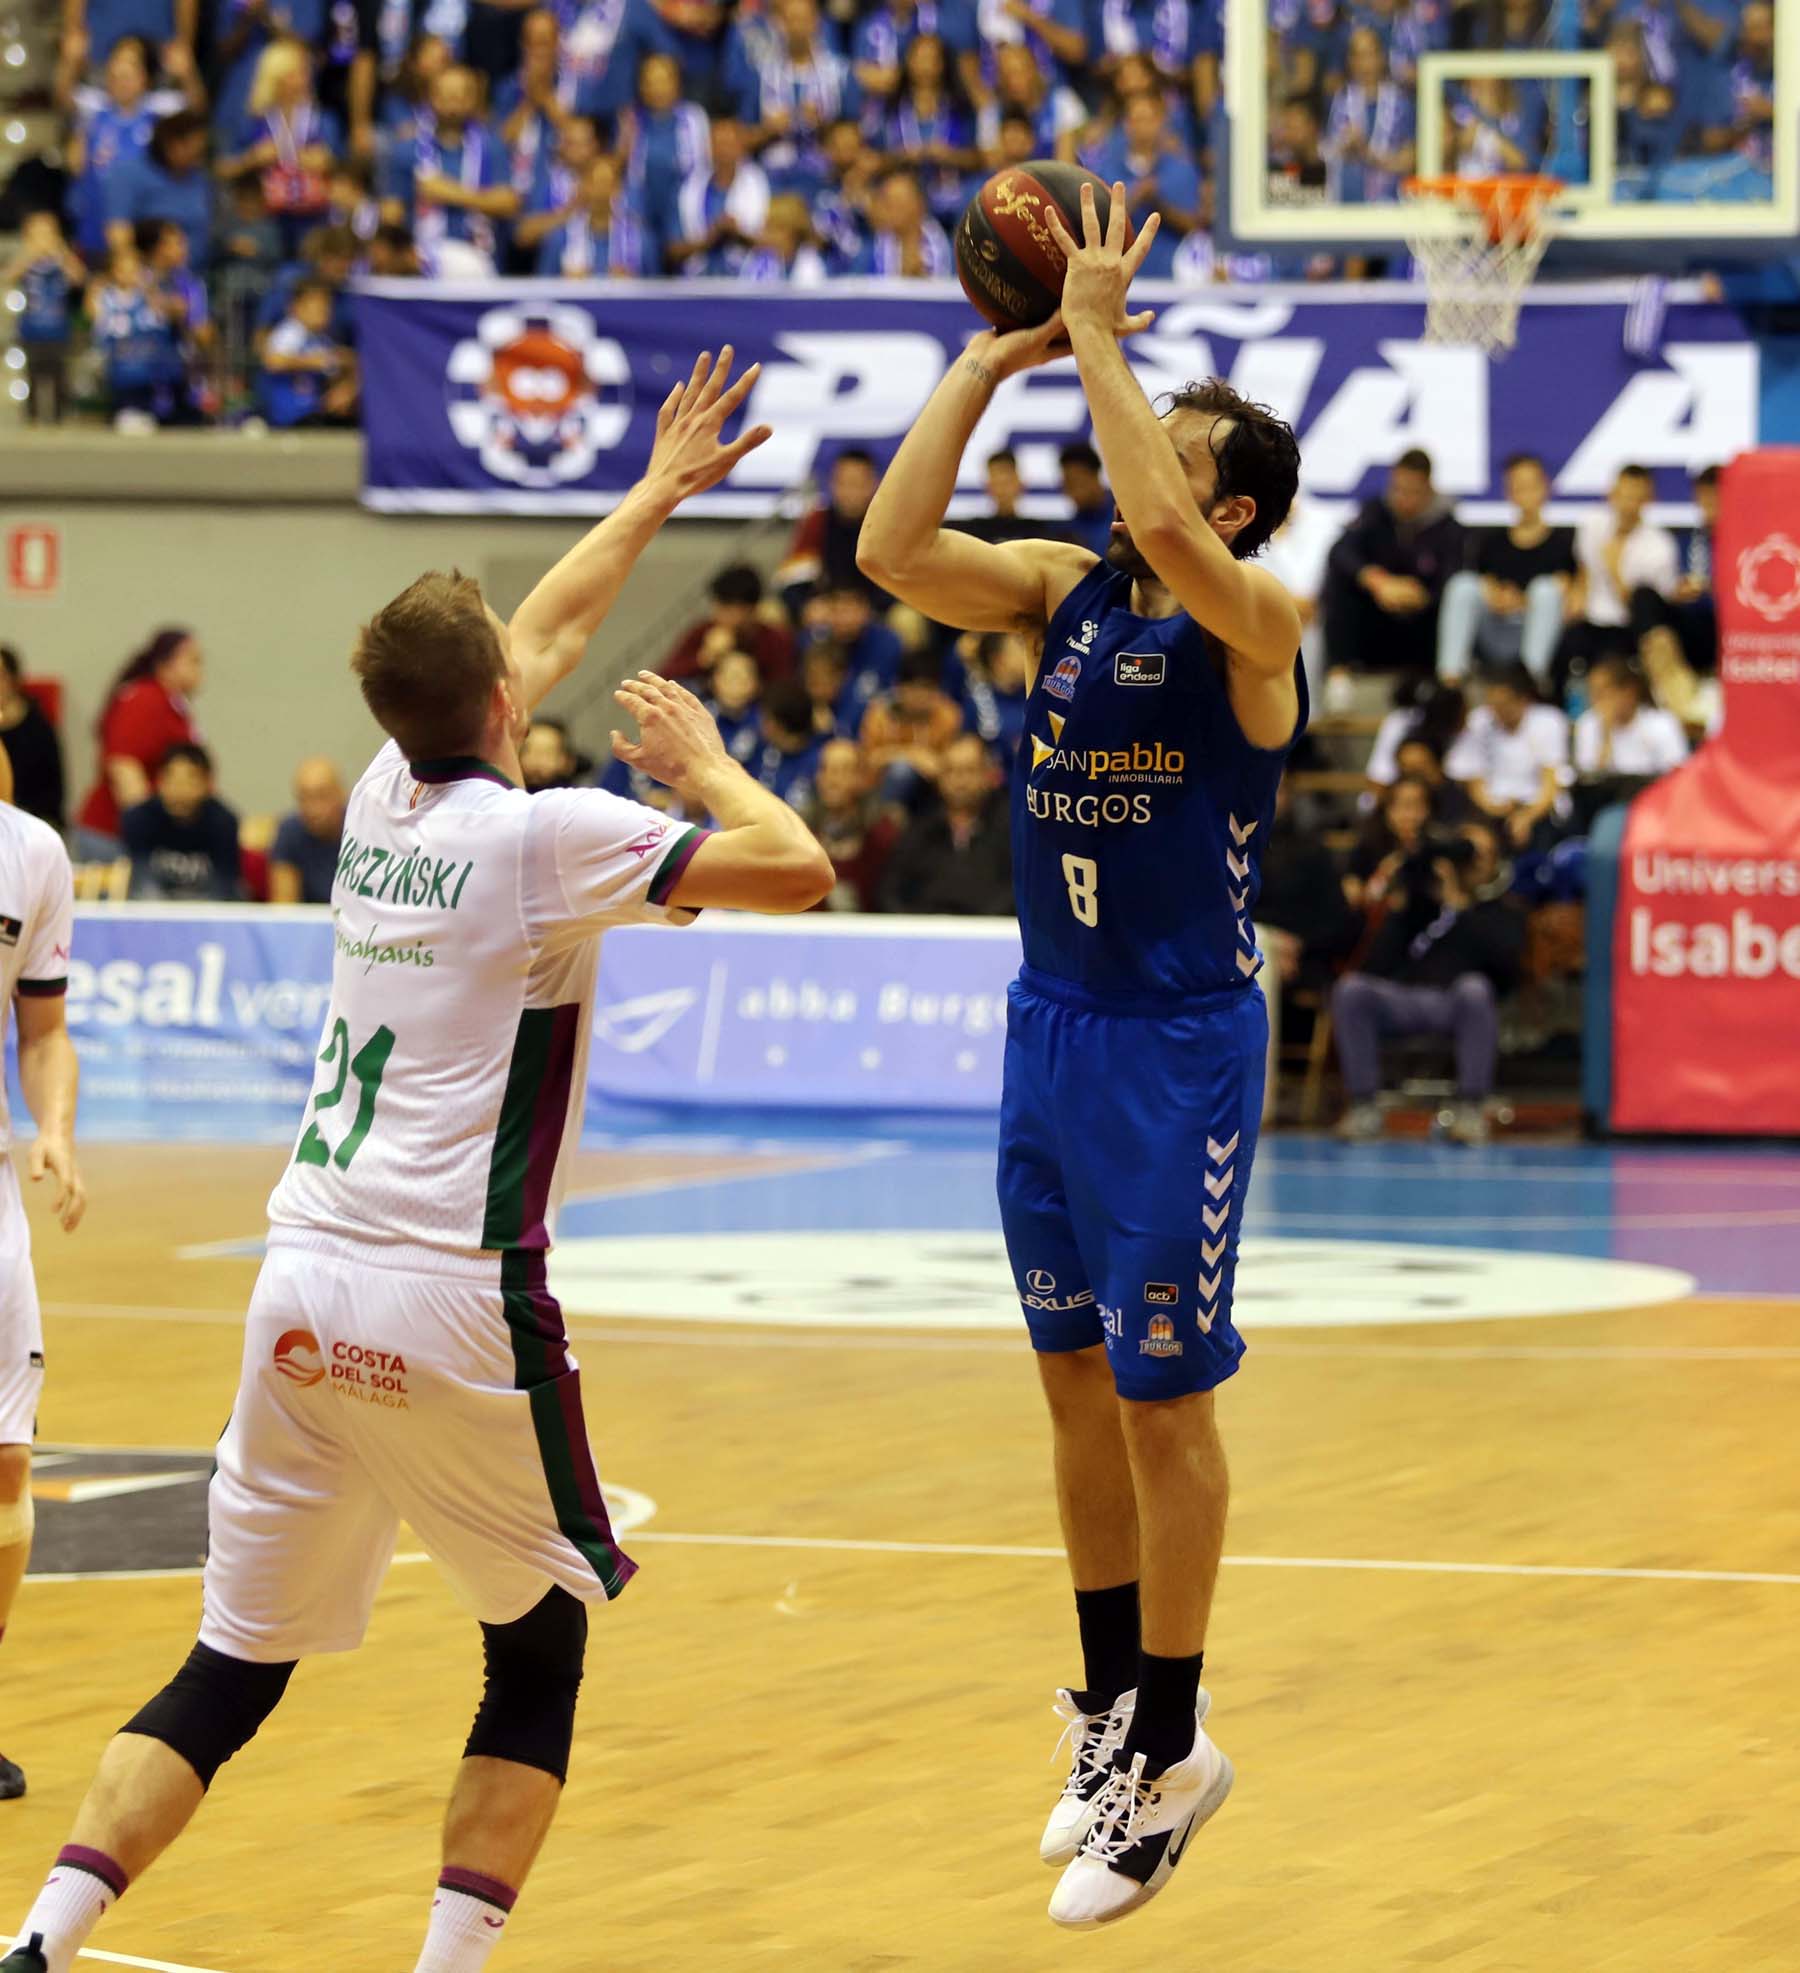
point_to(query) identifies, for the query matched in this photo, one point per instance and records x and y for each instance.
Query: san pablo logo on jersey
(537, 393)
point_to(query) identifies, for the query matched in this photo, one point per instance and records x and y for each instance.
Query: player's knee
(1078, 1385)
(212, 1708)
(534, 1666)
(15, 1474)
(1351, 990)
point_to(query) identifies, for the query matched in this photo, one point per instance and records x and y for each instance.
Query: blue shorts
(1125, 1149)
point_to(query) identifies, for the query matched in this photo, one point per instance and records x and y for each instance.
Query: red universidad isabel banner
(1706, 963)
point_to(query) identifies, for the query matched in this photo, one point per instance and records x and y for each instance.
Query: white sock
(467, 1917)
(77, 1894)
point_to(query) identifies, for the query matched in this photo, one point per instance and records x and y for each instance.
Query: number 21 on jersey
(368, 1065)
(1082, 875)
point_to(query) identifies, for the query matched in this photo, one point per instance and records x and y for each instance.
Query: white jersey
(452, 1070)
(37, 916)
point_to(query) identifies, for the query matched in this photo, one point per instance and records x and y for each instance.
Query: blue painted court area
(1727, 1217)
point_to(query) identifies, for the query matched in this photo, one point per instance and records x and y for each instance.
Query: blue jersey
(1139, 808)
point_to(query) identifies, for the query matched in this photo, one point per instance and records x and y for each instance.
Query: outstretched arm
(551, 628)
(949, 576)
(762, 857)
(1244, 607)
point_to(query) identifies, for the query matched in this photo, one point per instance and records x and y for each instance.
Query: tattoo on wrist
(979, 370)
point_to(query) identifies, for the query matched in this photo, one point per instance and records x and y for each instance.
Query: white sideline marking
(1019, 1552)
(131, 1959)
(1237, 1561)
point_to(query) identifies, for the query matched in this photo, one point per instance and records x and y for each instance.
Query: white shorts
(374, 1393)
(21, 1327)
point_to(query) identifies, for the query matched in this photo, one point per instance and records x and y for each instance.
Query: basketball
(1006, 256)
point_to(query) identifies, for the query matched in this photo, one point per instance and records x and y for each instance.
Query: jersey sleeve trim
(43, 989)
(459, 767)
(681, 854)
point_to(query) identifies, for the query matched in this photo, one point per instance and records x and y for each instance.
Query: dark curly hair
(1255, 452)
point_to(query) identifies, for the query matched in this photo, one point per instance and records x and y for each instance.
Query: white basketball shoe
(1093, 1739)
(1137, 1831)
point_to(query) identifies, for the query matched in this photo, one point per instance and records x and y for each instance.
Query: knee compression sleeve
(212, 1708)
(534, 1666)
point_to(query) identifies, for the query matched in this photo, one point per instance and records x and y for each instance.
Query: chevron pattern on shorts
(1221, 1169)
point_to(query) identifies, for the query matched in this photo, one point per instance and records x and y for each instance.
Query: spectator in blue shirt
(170, 181)
(1648, 129)
(930, 131)
(183, 841)
(455, 181)
(843, 615)
(907, 243)
(664, 141)
(1316, 49)
(1369, 137)
(840, 209)
(602, 237)
(789, 85)
(303, 857)
(787, 758)
(307, 378)
(534, 106)
(733, 696)
(111, 126)
(242, 29)
(1172, 35)
(181, 295)
(996, 687)
(1093, 509)
(885, 32)
(559, 194)
(137, 342)
(788, 250)
(327, 254)
(287, 141)
(1740, 117)
(721, 211)
(406, 100)
(1158, 176)
(602, 43)
(1053, 32)
(1496, 127)
(45, 269)
(1023, 89)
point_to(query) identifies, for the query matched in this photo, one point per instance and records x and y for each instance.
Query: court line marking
(130, 1959)
(1022, 1552)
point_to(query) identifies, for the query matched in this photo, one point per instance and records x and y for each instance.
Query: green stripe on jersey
(505, 1215)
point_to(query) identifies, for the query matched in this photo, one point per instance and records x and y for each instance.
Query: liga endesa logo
(538, 394)
(298, 1358)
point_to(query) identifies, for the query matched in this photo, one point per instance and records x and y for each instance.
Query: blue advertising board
(541, 397)
(201, 1022)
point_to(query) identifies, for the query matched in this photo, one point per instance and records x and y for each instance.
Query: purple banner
(537, 397)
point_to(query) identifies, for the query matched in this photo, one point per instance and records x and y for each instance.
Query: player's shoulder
(1063, 566)
(35, 841)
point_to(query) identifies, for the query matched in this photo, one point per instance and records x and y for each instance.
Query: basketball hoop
(1479, 244)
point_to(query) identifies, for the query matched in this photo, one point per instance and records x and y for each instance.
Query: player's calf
(511, 1780)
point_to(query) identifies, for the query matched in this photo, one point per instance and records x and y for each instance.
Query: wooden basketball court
(1504, 1650)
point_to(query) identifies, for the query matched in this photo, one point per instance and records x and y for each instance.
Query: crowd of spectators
(1538, 674)
(228, 168)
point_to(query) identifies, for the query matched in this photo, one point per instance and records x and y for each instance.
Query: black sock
(1162, 1727)
(1109, 1643)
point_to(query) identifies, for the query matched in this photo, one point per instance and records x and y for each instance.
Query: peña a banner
(540, 398)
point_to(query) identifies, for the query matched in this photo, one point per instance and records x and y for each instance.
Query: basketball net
(1479, 251)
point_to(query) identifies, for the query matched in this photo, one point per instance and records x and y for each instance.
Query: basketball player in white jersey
(404, 1358)
(37, 904)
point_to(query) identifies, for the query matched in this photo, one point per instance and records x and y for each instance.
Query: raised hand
(1101, 268)
(677, 735)
(689, 455)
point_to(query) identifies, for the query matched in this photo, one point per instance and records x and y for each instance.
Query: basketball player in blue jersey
(1166, 697)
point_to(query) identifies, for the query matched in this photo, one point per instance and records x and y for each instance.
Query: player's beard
(1123, 554)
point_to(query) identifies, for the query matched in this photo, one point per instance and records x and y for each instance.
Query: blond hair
(428, 663)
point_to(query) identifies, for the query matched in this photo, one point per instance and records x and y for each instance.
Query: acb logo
(537, 393)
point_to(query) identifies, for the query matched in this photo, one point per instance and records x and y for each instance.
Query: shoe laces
(1125, 1798)
(1093, 1739)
